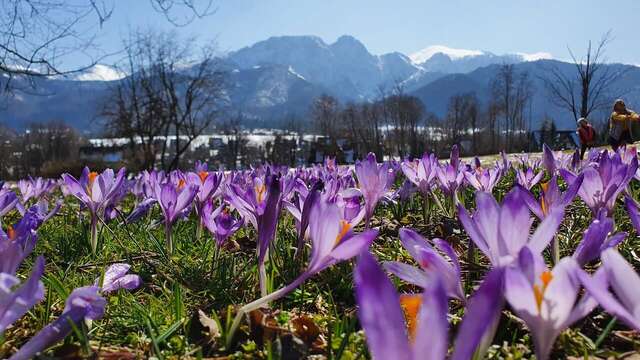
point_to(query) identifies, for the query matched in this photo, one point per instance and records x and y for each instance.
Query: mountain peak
(348, 45)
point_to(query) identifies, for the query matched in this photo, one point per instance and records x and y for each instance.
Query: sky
(499, 26)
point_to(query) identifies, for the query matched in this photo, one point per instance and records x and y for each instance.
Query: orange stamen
(260, 192)
(92, 177)
(546, 278)
(11, 232)
(545, 186)
(411, 306)
(538, 291)
(543, 205)
(344, 229)
(203, 176)
(181, 184)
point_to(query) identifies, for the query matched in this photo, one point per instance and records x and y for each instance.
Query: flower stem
(94, 234)
(555, 250)
(256, 304)
(425, 208)
(199, 230)
(168, 238)
(262, 274)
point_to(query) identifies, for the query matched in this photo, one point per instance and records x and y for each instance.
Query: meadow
(513, 257)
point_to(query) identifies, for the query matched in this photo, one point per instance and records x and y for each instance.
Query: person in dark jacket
(619, 125)
(587, 135)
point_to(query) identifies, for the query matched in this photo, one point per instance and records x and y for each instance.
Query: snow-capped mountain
(281, 76)
(100, 72)
(345, 66)
(439, 58)
(427, 53)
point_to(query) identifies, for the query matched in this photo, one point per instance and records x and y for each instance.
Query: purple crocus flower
(19, 240)
(450, 176)
(16, 301)
(596, 239)
(549, 159)
(8, 201)
(421, 172)
(260, 206)
(332, 240)
(432, 264)
(220, 222)
(551, 196)
(405, 192)
(83, 303)
(634, 212)
(500, 231)
(305, 200)
(35, 188)
(174, 201)
(616, 273)
(208, 184)
(373, 182)
(505, 164)
(200, 166)
(603, 181)
(483, 179)
(415, 326)
(116, 278)
(349, 201)
(95, 192)
(547, 300)
(528, 178)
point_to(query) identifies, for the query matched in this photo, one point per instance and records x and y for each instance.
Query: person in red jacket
(587, 135)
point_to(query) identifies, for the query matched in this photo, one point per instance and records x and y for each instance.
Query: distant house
(560, 140)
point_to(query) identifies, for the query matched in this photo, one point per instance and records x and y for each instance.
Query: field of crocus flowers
(522, 257)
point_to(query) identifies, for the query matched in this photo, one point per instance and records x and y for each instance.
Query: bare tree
(236, 146)
(36, 35)
(511, 92)
(325, 112)
(170, 93)
(585, 90)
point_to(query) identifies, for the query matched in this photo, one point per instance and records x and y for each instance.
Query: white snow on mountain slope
(454, 54)
(427, 53)
(100, 72)
(535, 56)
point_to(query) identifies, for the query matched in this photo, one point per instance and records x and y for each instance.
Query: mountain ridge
(280, 76)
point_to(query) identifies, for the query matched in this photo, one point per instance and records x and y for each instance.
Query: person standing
(619, 125)
(587, 135)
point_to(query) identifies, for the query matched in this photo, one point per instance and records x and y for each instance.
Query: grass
(161, 319)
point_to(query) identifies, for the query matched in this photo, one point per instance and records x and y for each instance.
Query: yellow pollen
(203, 176)
(410, 307)
(260, 190)
(344, 229)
